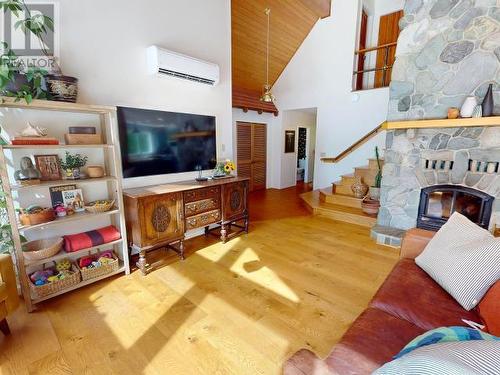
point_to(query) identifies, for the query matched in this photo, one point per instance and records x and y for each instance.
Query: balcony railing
(384, 66)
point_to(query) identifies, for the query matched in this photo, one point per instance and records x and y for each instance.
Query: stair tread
(342, 208)
(329, 193)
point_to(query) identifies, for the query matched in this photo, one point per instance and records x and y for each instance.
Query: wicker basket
(42, 249)
(37, 218)
(100, 207)
(92, 273)
(56, 286)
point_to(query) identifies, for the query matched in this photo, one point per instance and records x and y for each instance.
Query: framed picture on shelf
(289, 141)
(74, 199)
(48, 165)
(56, 196)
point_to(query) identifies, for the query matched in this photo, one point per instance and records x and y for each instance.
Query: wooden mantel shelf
(442, 123)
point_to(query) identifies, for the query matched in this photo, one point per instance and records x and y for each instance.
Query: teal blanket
(445, 334)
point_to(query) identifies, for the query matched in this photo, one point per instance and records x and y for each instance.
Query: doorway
(305, 155)
(251, 153)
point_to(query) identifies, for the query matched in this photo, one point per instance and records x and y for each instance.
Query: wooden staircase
(339, 202)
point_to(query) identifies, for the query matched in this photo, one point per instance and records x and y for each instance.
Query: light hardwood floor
(296, 281)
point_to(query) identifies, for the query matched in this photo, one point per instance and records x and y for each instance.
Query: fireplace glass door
(437, 204)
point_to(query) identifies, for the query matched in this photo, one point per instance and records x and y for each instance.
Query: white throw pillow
(464, 259)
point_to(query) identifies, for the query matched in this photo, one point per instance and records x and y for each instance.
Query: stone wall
(447, 50)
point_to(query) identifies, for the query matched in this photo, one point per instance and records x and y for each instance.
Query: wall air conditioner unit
(169, 63)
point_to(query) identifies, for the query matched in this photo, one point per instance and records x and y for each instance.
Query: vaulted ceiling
(291, 22)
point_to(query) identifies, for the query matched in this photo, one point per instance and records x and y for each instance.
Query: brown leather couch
(408, 304)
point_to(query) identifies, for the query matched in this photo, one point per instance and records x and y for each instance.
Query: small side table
(496, 231)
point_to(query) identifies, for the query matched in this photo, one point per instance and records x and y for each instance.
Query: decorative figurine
(33, 131)
(28, 174)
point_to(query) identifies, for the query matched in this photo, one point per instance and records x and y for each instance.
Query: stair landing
(342, 210)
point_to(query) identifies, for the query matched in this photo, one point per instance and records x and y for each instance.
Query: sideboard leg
(223, 233)
(207, 231)
(142, 263)
(246, 224)
(181, 249)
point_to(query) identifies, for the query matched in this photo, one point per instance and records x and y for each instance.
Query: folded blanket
(79, 241)
(446, 334)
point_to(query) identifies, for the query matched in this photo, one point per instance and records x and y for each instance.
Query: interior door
(388, 33)
(362, 45)
(251, 153)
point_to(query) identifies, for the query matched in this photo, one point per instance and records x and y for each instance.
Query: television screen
(157, 142)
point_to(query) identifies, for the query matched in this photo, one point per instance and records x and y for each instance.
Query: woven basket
(92, 273)
(56, 286)
(101, 207)
(42, 249)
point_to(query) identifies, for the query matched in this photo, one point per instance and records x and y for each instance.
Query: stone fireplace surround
(418, 158)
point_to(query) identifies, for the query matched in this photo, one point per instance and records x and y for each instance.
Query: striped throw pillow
(464, 259)
(451, 358)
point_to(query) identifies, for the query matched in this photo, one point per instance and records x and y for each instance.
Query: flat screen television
(158, 142)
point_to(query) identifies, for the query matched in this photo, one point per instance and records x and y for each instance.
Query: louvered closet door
(258, 156)
(251, 153)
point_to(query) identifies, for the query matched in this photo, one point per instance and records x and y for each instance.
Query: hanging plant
(30, 82)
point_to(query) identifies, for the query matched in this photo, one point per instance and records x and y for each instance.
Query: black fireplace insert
(438, 202)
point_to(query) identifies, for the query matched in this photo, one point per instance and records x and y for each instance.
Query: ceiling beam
(319, 7)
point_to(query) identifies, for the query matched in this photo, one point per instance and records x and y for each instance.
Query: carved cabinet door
(162, 217)
(234, 198)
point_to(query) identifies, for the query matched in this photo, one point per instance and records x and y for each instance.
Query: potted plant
(72, 164)
(374, 191)
(33, 82)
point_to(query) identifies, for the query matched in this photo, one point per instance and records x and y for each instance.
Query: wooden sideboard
(160, 215)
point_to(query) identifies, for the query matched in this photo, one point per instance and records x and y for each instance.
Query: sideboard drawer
(200, 194)
(198, 207)
(202, 220)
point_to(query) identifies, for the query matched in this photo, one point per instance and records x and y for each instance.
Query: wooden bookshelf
(111, 183)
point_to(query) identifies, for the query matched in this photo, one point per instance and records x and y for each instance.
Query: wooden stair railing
(355, 145)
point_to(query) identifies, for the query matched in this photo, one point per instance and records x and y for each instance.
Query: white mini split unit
(168, 63)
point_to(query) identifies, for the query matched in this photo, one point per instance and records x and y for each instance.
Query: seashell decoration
(33, 131)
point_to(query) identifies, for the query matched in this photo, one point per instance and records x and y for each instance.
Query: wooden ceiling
(291, 22)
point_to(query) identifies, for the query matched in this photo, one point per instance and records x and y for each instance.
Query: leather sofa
(407, 304)
(9, 299)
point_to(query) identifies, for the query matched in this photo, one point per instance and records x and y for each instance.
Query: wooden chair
(9, 299)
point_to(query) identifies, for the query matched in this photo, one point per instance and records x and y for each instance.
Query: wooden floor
(241, 308)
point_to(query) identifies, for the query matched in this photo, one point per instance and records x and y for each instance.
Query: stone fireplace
(447, 50)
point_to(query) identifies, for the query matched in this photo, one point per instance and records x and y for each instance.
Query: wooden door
(362, 45)
(388, 33)
(251, 153)
(162, 218)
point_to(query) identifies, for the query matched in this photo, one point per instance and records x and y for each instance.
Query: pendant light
(267, 96)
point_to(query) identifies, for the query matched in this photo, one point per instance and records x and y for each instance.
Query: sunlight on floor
(250, 267)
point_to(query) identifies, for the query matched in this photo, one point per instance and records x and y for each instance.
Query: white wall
(320, 75)
(103, 44)
(272, 153)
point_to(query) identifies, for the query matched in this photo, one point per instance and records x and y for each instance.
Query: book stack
(35, 141)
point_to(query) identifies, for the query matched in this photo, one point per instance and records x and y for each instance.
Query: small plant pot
(62, 88)
(73, 174)
(374, 193)
(370, 206)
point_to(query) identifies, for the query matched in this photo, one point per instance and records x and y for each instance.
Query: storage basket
(42, 249)
(83, 139)
(41, 217)
(104, 207)
(92, 273)
(40, 291)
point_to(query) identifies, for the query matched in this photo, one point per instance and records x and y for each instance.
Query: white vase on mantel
(468, 107)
